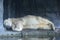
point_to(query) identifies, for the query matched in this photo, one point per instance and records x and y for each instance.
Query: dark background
(46, 8)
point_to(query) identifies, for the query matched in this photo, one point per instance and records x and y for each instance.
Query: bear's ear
(5, 21)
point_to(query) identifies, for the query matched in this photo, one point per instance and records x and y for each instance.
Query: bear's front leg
(18, 27)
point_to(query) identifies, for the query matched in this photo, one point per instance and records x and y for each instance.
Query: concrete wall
(1, 15)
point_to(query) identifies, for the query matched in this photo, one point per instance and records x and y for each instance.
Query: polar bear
(28, 22)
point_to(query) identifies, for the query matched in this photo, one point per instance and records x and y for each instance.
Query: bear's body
(29, 22)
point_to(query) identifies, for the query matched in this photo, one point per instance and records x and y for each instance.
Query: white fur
(33, 22)
(8, 22)
(19, 26)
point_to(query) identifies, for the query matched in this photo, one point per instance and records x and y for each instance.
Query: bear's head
(8, 24)
(13, 25)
